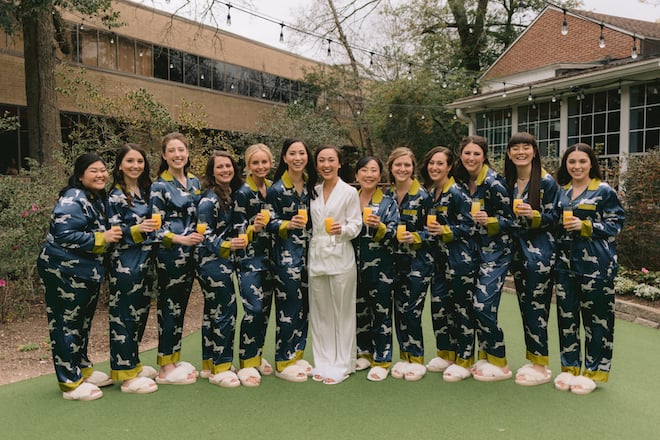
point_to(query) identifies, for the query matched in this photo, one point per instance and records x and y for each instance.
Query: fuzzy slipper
(100, 379)
(455, 373)
(85, 391)
(139, 385)
(378, 374)
(334, 375)
(149, 372)
(249, 377)
(318, 374)
(178, 376)
(292, 373)
(265, 369)
(438, 365)
(399, 369)
(563, 381)
(226, 379)
(477, 365)
(527, 376)
(362, 364)
(415, 372)
(488, 372)
(582, 385)
(306, 366)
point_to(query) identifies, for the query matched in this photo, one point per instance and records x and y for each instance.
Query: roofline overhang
(592, 79)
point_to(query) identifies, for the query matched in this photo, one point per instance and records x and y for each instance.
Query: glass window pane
(190, 69)
(161, 62)
(555, 110)
(219, 76)
(176, 65)
(573, 106)
(89, 47)
(613, 121)
(612, 144)
(636, 96)
(637, 119)
(205, 72)
(653, 93)
(144, 59)
(600, 102)
(652, 140)
(653, 116)
(586, 124)
(599, 123)
(636, 142)
(573, 126)
(126, 55)
(614, 100)
(587, 104)
(107, 50)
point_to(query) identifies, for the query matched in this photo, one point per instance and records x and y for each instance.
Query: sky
(285, 11)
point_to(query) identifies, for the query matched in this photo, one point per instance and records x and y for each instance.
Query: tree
(43, 32)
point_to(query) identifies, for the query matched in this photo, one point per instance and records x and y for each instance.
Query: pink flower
(35, 208)
(15, 247)
(645, 270)
(3, 283)
(25, 214)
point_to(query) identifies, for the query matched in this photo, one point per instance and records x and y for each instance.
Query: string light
(504, 90)
(81, 27)
(409, 71)
(554, 96)
(601, 39)
(529, 95)
(371, 59)
(281, 32)
(329, 50)
(228, 14)
(633, 55)
(475, 88)
(112, 39)
(564, 24)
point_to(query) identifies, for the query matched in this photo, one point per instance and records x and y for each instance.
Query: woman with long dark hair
(375, 290)
(130, 264)
(174, 196)
(585, 271)
(534, 193)
(452, 286)
(289, 198)
(71, 268)
(214, 267)
(492, 212)
(336, 220)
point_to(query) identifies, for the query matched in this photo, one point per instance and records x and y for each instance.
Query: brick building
(585, 83)
(233, 78)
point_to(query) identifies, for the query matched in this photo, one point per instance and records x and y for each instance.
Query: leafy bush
(638, 244)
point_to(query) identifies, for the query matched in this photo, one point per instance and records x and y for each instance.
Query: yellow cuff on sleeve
(536, 219)
(136, 234)
(284, 232)
(587, 229)
(167, 239)
(492, 226)
(447, 235)
(99, 243)
(380, 232)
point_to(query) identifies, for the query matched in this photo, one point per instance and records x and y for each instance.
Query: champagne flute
(366, 212)
(201, 224)
(159, 219)
(303, 213)
(329, 221)
(265, 214)
(516, 202)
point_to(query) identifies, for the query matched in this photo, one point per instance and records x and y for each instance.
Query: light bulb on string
(409, 71)
(554, 96)
(390, 115)
(281, 32)
(601, 39)
(633, 55)
(564, 24)
(503, 90)
(228, 14)
(371, 59)
(329, 50)
(81, 27)
(529, 96)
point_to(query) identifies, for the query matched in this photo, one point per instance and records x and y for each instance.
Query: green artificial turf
(626, 407)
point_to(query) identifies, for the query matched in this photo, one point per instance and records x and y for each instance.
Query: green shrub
(639, 244)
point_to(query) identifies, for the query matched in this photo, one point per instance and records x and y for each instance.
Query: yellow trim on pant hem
(497, 361)
(536, 359)
(207, 364)
(220, 368)
(575, 371)
(125, 374)
(447, 355)
(168, 359)
(385, 365)
(599, 376)
(465, 363)
(70, 386)
(253, 362)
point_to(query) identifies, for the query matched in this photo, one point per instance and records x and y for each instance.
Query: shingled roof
(641, 28)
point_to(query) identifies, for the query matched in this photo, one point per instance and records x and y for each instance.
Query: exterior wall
(543, 44)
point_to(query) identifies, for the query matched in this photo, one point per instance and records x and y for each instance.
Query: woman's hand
(480, 217)
(297, 222)
(188, 240)
(524, 210)
(573, 224)
(237, 243)
(434, 228)
(112, 235)
(148, 225)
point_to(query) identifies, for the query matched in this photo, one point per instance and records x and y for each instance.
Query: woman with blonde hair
(414, 263)
(252, 214)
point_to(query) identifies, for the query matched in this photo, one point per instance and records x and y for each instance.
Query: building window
(495, 126)
(593, 119)
(126, 51)
(190, 69)
(107, 44)
(88, 53)
(542, 120)
(644, 117)
(161, 62)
